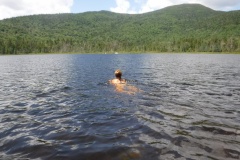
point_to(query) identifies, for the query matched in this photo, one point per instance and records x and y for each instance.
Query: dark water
(61, 107)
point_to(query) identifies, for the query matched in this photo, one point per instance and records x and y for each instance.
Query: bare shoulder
(117, 81)
(113, 81)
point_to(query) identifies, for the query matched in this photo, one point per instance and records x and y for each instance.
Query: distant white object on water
(116, 52)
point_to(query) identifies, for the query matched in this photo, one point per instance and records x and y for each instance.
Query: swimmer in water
(118, 79)
(121, 84)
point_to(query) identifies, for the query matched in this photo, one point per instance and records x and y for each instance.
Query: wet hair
(118, 73)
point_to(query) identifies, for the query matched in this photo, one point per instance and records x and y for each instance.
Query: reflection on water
(61, 107)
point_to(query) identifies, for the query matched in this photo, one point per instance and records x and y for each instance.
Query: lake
(62, 107)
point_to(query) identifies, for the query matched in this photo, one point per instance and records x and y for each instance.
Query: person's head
(118, 73)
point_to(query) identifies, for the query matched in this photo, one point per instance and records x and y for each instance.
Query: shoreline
(112, 53)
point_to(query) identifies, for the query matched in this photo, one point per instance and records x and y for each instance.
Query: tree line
(184, 28)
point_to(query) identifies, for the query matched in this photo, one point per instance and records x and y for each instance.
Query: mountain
(180, 28)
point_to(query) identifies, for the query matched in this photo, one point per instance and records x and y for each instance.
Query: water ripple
(61, 107)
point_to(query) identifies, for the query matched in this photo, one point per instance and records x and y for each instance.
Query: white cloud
(128, 6)
(123, 6)
(214, 4)
(14, 8)
(152, 5)
(219, 4)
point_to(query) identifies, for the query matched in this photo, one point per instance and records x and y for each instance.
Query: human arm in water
(123, 87)
(121, 84)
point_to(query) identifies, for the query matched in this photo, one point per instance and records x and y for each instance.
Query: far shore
(123, 53)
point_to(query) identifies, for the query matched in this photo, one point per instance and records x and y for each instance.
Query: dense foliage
(182, 28)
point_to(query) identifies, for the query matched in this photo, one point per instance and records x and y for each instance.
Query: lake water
(62, 107)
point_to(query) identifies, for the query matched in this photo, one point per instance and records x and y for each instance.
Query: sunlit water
(61, 107)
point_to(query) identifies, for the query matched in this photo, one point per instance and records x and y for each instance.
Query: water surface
(61, 107)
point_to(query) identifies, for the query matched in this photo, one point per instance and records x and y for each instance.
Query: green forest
(180, 28)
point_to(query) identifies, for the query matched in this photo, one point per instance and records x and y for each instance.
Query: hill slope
(181, 28)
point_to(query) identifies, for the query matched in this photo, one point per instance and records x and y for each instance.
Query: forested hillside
(181, 28)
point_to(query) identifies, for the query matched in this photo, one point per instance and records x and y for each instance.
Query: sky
(15, 8)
